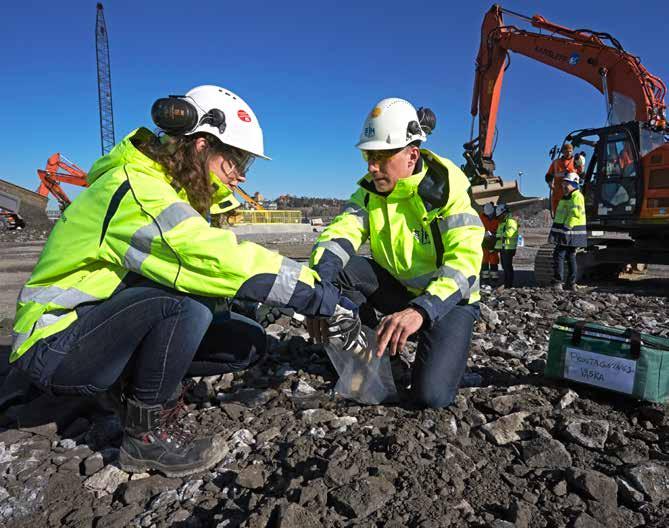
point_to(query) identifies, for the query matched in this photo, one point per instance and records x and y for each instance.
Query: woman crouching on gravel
(126, 283)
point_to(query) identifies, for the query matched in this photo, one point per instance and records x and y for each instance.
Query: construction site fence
(271, 217)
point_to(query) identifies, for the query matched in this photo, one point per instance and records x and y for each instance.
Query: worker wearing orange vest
(490, 266)
(565, 164)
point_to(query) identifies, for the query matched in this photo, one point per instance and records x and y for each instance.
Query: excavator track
(543, 265)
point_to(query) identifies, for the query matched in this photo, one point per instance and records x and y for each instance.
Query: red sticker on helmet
(244, 116)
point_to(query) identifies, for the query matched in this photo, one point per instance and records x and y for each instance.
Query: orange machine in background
(60, 170)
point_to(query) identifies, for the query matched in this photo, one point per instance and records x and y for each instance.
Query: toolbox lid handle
(633, 335)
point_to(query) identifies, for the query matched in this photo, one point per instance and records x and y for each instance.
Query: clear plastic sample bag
(363, 376)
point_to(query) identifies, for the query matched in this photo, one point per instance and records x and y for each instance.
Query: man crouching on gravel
(414, 208)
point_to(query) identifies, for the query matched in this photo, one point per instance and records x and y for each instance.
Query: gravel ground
(517, 449)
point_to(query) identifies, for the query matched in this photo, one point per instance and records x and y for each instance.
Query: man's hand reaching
(395, 329)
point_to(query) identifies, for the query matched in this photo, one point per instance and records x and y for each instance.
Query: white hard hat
(571, 177)
(240, 127)
(489, 209)
(501, 209)
(392, 123)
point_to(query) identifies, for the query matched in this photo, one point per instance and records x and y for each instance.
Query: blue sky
(311, 71)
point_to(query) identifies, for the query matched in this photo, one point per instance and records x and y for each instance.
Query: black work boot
(154, 439)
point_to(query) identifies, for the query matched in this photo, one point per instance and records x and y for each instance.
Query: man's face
(388, 166)
(567, 152)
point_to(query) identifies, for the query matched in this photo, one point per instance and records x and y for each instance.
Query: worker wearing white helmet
(425, 237)
(568, 232)
(490, 265)
(129, 275)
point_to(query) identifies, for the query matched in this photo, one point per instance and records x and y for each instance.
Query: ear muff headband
(178, 116)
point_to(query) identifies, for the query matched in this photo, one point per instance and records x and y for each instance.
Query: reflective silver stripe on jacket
(285, 282)
(336, 248)
(46, 320)
(359, 213)
(421, 282)
(459, 220)
(67, 298)
(140, 243)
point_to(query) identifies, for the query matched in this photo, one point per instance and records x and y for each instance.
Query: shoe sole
(215, 454)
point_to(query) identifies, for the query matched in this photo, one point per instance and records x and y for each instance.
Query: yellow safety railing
(270, 217)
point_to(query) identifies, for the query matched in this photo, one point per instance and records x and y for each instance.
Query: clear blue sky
(311, 70)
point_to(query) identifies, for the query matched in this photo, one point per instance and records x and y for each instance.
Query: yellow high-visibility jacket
(425, 233)
(507, 234)
(131, 219)
(569, 226)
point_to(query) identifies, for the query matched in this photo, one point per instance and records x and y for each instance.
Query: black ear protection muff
(178, 116)
(174, 115)
(427, 119)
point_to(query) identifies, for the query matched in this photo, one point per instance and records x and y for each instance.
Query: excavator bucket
(501, 192)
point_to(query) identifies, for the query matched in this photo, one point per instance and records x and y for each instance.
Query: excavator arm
(630, 91)
(60, 170)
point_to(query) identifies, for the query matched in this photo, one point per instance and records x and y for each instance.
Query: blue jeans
(151, 335)
(560, 254)
(441, 356)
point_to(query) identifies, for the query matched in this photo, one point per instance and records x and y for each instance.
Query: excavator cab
(627, 172)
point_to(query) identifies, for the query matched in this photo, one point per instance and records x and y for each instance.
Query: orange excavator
(60, 170)
(626, 179)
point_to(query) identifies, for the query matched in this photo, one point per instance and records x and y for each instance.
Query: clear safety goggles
(379, 156)
(242, 160)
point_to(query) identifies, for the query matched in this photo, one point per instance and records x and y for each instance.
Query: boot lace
(171, 427)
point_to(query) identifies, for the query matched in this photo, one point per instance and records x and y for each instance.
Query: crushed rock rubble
(517, 450)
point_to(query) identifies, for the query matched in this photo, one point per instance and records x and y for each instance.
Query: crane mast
(104, 82)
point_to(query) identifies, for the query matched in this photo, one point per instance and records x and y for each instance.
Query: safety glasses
(242, 160)
(379, 156)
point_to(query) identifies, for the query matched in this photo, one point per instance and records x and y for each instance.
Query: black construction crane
(104, 83)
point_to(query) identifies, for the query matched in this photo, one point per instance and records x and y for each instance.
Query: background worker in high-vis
(425, 237)
(124, 288)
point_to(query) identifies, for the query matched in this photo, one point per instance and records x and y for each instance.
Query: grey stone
(252, 477)
(567, 399)
(361, 497)
(140, 491)
(268, 435)
(190, 490)
(628, 494)
(302, 388)
(164, 499)
(119, 518)
(594, 485)
(92, 464)
(294, 516)
(343, 421)
(545, 452)
(588, 433)
(651, 478)
(585, 521)
(106, 480)
(505, 429)
(67, 443)
(317, 416)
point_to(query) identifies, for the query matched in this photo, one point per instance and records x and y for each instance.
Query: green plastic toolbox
(616, 359)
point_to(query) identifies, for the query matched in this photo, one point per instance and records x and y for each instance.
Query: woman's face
(226, 169)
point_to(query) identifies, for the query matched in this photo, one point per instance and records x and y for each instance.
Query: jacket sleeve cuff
(433, 308)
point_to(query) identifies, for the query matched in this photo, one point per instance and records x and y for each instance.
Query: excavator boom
(60, 170)
(630, 91)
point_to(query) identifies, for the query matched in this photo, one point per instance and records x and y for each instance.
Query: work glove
(344, 326)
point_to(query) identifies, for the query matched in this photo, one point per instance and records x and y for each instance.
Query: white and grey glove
(345, 325)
